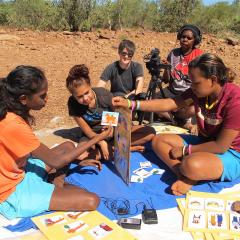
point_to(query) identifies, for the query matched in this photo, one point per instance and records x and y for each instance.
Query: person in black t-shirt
(86, 105)
(125, 75)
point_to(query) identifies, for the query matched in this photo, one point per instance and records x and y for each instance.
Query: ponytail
(230, 75)
(3, 98)
(23, 80)
(210, 65)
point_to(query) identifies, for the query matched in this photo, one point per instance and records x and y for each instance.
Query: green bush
(35, 14)
(85, 15)
(5, 11)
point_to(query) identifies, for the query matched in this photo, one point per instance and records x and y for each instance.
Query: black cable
(121, 206)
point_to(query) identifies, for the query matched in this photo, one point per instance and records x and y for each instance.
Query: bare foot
(137, 148)
(182, 186)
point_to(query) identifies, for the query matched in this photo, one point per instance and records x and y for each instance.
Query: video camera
(154, 66)
(153, 62)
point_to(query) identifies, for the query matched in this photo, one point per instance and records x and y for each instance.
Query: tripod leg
(142, 114)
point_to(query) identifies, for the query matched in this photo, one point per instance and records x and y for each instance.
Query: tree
(173, 14)
(76, 12)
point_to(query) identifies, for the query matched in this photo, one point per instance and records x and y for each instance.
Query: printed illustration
(110, 118)
(54, 220)
(196, 219)
(75, 215)
(196, 203)
(75, 227)
(214, 204)
(217, 220)
(100, 231)
(122, 142)
(235, 222)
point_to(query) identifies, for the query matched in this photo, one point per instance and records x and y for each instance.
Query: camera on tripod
(153, 62)
(154, 66)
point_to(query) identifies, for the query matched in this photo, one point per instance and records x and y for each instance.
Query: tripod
(156, 81)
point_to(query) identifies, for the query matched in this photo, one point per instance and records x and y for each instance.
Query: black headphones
(195, 30)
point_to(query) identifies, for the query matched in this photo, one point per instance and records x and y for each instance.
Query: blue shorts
(32, 195)
(230, 159)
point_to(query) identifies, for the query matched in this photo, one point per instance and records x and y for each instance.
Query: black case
(149, 216)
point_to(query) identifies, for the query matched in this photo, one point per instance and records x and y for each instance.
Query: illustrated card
(214, 204)
(142, 173)
(197, 219)
(235, 222)
(75, 227)
(110, 118)
(145, 164)
(136, 178)
(157, 171)
(50, 221)
(217, 220)
(100, 231)
(209, 212)
(75, 215)
(79, 226)
(196, 203)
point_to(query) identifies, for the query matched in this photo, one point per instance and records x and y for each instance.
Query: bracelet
(133, 105)
(183, 150)
(138, 105)
(129, 103)
(189, 149)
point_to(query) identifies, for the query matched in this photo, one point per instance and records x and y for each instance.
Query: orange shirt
(17, 141)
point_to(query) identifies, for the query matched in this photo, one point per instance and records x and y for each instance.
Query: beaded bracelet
(133, 105)
(138, 105)
(187, 150)
(129, 103)
(183, 150)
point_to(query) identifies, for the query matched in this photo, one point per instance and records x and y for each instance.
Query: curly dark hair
(23, 80)
(77, 75)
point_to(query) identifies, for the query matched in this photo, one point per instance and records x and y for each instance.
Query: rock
(68, 33)
(104, 36)
(237, 47)
(34, 49)
(221, 49)
(114, 46)
(6, 37)
(232, 41)
(56, 120)
(77, 42)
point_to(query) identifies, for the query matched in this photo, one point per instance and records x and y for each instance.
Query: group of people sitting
(200, 85)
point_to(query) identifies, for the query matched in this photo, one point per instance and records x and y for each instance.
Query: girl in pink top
(214, 154)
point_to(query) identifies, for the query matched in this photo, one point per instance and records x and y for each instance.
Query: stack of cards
(209, 216)
(141, 173)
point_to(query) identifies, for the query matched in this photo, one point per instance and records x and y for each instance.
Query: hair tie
(225, 79)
